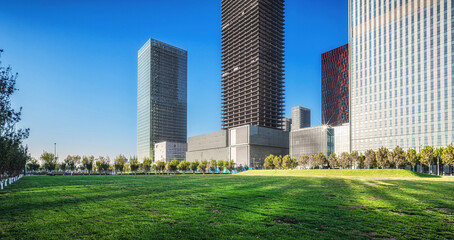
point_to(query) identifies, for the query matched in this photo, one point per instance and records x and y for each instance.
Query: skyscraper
(301, 118)
(252, 63)
(401, 82)
(335, 87)
(161, 96)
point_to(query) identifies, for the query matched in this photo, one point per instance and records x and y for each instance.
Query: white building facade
(401, 85)
(167, 151)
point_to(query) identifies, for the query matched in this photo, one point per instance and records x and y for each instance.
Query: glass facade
(335, 86)
(161, 96)
(311, 141)
(401, 73)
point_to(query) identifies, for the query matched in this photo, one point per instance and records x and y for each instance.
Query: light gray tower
(301, 118)
(401, 82)
(161, 96)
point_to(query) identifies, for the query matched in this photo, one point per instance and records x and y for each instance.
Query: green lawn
(226, 207)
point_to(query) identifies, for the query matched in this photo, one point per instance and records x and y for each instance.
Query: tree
(303, 161)
(49, 160)
(269, 162)
(355, 159)
(320, 160)
(120, 162)
(134, 164)
(438, 152)
(448, 156)
(62, 166)
(89, 164)
(344, 160)
(370, 160)
(427, 157)
(412, 158)
(396, 157)
(229, 165)
(332, 161)
(277, 161)
(102, 164)
(33, 165)
(172, 165)
(160, 166)
(213, 166)
(312, 161)
(193, 166)
(183, 166)
(203, 166)
(221, 166)
(147, 164)
(287, 162)
(382, 157)
(13, 155)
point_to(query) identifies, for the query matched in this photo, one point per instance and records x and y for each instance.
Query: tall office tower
(161, 96)
(401, 73)
(301, 118)
(335, 86)
(252, 63)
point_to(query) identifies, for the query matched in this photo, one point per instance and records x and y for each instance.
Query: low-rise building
(167, 151)
(313, 140)
(245, 145)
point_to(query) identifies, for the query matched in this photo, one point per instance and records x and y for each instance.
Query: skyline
(94, 125)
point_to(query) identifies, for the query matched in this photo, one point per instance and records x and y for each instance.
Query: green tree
(213, 166)
(332, 161)
(193, 166)
(396, 157)
(221, 166)
(33, 165)
(277, 161)
(355, 158)
(382, 158)
(172, 165)
(448, 156)
(320, 160)
(229, 165)
(438, 152)
(183, 166)
(269, 162)
(427, 157)
(203, 166)
(119, 163)
(89, 164)
(147, 164)
(62, 167)
(160, 166)
(134, 164)
(13, 155)
(303, 161)
(287, 162)
(412, 157)
(49, 160)
(344, 160)
(369, 159)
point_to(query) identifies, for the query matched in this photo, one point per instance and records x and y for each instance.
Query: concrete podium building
(246, 145)
(161, 96)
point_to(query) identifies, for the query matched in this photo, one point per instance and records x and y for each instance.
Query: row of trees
(382, 158)
(120, 164)
(13, 154)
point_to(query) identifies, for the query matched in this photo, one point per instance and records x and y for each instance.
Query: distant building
(286, 124)
(335, 93)
(313, 140)
(161, 96)
(252, 63)
(301, 118)
(167, 151)
(246, 145)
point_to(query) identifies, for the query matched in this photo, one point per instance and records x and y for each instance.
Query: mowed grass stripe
(225, 207)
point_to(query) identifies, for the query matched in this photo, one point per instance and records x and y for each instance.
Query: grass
(357, 173)
(228, 207)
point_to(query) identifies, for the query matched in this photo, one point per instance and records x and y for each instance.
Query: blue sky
(77, 64)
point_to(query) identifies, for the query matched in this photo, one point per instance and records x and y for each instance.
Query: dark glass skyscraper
(335, 110)
(161, 96)
(252, 63)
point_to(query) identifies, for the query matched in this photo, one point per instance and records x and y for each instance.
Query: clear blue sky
(77, 64)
